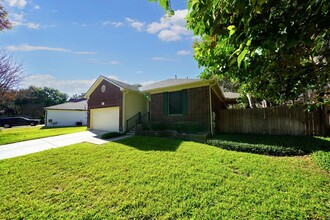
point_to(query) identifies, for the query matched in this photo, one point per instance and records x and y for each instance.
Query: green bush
(111, 135)
(256, 148)
(158, 126)
(322, 159)
(270, 144)
(187, 126)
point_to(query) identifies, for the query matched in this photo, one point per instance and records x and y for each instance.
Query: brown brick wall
(198, 106)
(112, 97)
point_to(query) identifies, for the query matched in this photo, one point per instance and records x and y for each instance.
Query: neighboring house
(66, 114)
(111, 103)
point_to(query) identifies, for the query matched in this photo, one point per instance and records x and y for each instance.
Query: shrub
(187, 126)
(160, 126)
(270, 144)
(111, 135)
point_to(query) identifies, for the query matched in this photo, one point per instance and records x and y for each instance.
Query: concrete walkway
(32, 146)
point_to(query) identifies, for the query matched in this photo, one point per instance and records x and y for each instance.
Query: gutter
(124, 110)
(210, 94)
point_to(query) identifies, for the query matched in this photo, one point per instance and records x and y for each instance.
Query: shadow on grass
(300, 144)
(151, 143)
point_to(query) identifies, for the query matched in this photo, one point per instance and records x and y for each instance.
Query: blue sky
(67, 44)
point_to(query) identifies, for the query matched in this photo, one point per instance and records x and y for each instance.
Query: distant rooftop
(82, 105)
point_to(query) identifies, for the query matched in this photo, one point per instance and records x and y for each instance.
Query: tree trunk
(251, 101)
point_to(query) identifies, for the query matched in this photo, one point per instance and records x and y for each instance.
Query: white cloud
(71, 87)
(137, 25)
(171, 28)
(112, 23)
(37, 7)
(85, 52)
(169, 35)
(18, 20)
(80, 24)
(183, 52)
(111, 62)
(139, 71)
(162, 59)
(155, 27)
(27, 47)
(17, 3)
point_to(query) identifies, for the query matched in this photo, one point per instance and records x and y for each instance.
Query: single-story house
(66, 114)
(111, 103)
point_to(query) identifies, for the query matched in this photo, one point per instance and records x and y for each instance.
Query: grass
(13, 135)
(156, 178)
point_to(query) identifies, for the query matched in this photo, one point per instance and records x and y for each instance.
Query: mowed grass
(156, 178)
(13, 135)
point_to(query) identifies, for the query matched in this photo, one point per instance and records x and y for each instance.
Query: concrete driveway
(32, 146)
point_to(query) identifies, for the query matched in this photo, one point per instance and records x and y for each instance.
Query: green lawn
(156, 178)
(14, 135)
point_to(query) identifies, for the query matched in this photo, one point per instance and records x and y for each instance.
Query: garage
(67, 114)
(105, 119)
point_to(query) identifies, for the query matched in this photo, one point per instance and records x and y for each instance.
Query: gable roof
(80, 106)
(117, 83)
(170, 83)
(122, 84)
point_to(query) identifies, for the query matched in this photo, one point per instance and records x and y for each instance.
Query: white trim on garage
(105, 119)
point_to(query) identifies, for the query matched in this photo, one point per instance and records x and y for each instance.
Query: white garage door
(105, 119)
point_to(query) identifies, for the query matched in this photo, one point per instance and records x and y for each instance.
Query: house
(113, 105)
(66, 114)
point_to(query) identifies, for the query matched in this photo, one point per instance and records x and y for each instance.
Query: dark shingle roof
(82, 105)
(168, 83)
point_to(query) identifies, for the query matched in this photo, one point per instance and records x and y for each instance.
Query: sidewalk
(32, 146)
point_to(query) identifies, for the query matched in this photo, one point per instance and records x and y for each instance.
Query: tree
(32, 101)
(277, 50)
(4, 22)
(44, 96)
(10, 71)
(10, 74)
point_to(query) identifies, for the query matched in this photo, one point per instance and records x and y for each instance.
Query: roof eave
(178, 87)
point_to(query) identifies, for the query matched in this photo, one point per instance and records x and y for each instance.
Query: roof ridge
(122, 84)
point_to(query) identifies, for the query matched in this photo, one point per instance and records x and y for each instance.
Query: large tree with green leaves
(277, 50)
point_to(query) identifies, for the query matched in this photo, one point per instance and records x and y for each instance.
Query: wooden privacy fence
(275, 121)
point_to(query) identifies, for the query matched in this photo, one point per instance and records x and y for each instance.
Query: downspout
(124, 111)
(210, 94)
(46, 120)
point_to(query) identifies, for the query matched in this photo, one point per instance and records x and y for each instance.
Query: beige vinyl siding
(134, 103)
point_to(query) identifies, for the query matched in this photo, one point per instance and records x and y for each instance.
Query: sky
(68, 44)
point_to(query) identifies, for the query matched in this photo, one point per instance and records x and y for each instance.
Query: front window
(175, 103)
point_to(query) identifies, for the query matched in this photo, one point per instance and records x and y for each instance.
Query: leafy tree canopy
(277, 50)
(45, 96)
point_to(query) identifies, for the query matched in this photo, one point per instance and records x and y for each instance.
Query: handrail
(132, 122)
(135, 120)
